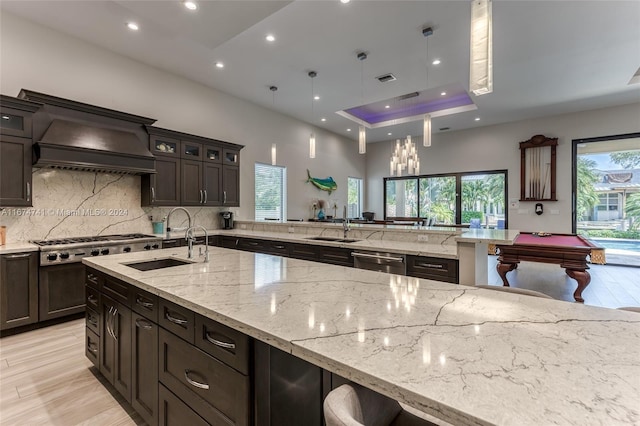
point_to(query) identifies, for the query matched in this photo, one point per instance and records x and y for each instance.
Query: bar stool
(354, 405)
(515, 290)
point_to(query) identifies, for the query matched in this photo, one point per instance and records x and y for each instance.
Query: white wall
(40, 59)
(496, 147)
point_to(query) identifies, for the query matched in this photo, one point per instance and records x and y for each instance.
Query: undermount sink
(150, 265)
(333, 239)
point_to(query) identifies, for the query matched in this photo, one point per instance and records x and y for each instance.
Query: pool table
(567, 250)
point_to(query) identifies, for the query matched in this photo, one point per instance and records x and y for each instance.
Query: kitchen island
(465, 355)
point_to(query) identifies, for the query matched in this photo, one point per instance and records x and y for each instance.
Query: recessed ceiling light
(477, 118)
(348, 130)
(190, 5)
(270, 37)
(436, 62)
(389, 134)
(316, 97)
(219, 65)
(344, 1)
(387, 106)
(323, 119)
(133, 26)
(443, 94)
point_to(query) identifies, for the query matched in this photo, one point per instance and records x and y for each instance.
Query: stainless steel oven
(61, 272)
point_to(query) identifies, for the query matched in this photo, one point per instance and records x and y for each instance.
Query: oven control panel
(61, 255)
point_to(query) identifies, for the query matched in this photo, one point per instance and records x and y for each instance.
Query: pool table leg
(583, 278)
(503, 268)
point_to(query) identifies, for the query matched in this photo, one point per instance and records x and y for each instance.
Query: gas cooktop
(65, 250)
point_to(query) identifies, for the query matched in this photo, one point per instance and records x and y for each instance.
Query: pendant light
(312, 137)
(362, 133)
(273, 145)
(481, 52)
(426, 122)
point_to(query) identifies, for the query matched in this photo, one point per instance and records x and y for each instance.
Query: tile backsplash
(73, 204)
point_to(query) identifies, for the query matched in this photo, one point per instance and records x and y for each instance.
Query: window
(354, 200)
(271, 192)
(448, 199)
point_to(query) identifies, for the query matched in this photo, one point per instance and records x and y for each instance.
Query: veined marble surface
(18, 248)
(489, 236)
(441, 247)
(75, 204)
(466, 355)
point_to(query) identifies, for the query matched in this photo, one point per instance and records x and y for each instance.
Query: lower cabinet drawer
(92, 347)
(93, 297)
(178, 320)
(212, 389)
(174, 412)
(224, 343)
(433, 268)
(145, 304)
(92, 319)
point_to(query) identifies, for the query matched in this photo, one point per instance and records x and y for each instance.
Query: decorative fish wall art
(327, 184)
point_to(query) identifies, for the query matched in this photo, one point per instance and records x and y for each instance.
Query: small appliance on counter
(226, 220)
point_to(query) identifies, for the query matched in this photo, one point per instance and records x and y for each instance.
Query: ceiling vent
(444, 128)
(408, 96)
(386, 77)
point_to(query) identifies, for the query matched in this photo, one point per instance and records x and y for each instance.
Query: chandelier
(404, 158)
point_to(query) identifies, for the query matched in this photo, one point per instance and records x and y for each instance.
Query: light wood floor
(45, 378)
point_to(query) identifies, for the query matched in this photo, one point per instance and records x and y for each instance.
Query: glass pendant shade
(312, 146)
(273, 154)
(404, 158)
(426, 130)
(481, 54)
(362, 140)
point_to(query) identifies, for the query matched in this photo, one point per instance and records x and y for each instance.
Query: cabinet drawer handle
(145, 325)
(115, 325)
(92, 299)
(92, 320)
(193, 383)
(253, 244)
(18, 256)
(28, 191)
(175, 320)
(205, 196)
(430, 265)
(278, 247)
(153, 195)
(201, 197)
(219, 342)
(224, 198)
(147, 305)
(108, 322)
(92, 348)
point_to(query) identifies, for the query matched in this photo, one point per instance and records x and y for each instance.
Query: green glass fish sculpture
(327, 184)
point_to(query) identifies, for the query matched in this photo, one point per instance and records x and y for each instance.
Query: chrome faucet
(191, 238)
(345, 222)
(171, 212)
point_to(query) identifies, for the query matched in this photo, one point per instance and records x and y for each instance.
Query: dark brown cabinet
(18, 289)
(191, 171)
(144, 368)
(15, 151)
(433, 268)
(115, 345)
(61, 289)
(163, 187)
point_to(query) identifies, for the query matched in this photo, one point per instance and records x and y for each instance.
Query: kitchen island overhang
(465, 355)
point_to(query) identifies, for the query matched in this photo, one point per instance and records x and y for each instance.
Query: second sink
(333, 239)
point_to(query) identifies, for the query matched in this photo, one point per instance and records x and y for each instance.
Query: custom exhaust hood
(76, 136)
(74, 146)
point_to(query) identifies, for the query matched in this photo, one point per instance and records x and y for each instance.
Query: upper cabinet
(191, 171)
(16, 117)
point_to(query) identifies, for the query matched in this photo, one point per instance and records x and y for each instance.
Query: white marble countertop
(468, 356)
(18, 247)
(489, 236)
